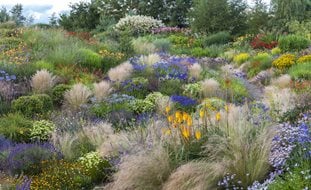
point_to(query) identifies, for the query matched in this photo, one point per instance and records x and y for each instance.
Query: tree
(258, 17)
(211, 16)
(83, 16)
(4, 15)
(289, 10)
(53, 20)
(17, 14)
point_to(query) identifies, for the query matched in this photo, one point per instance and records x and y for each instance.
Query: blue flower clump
(183, 100)
(170, 70)
(4, 76)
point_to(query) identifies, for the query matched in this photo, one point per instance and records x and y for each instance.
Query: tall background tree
(258, 17)
(211, 16)
(288, 10)
(4, 15)
(17, 14)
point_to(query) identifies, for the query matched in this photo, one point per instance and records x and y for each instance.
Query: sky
(41, 10)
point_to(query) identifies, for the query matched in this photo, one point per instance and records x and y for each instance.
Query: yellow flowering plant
(304, 59)
(241, 58)
(284, 61)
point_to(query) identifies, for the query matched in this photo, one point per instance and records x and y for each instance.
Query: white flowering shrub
(138, 24)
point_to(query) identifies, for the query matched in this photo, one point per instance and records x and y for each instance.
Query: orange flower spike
(198, 135)
(218, 116)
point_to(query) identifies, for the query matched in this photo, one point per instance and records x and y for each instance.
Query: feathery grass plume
(43, 81)
(282, 82)
(210, 87)
(150, 59)
(64, 142)
(102, 90)
(195, 176)
(147, 170)
(279, 100)
(162, 103)
(195, 71)
(132, 141)
(240, 146)
(98, 133)
(77, 96)
(120, 72)
(143, 47)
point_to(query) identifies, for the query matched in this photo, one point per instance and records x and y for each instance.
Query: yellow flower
(178, 115)
(185, 116)
(202, 113)
(185, 132)
(198, 135)
(189, 121)
(170, 118)
(167, 109)
(218, 116)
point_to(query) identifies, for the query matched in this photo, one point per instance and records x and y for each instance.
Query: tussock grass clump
(195, 71)
(210, 87)
(77, 96)
(147, 170)
(102, 90)
(121, 72)
(43, 81)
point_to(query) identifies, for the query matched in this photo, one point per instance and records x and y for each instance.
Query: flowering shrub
(94, 165)
(304, 59)
(138, 24)
(136, 87)
(167, 30)
(61, 175)
(193, 90)
(42, 130)
(142, 106)
(262, 41)
(241, 58)
(284, 61)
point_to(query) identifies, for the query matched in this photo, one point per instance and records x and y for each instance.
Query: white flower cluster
(138, 24)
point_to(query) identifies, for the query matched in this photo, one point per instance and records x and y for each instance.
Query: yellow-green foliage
(276, 51)
(284, 61)
(241, 58)
(304, 59)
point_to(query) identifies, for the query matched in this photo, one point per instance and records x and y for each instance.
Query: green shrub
(163, 45)
(301, 71)
(215, 50)
(293, 43)
(58, 93)
(35, 105)
(200, 52)
(89, 59)
(142, 106)
(217, 38)
(44, 65)
(5, 107)
(81, 146)
(125, 43)
(15, 127)
(62, 175)
(41, 130)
